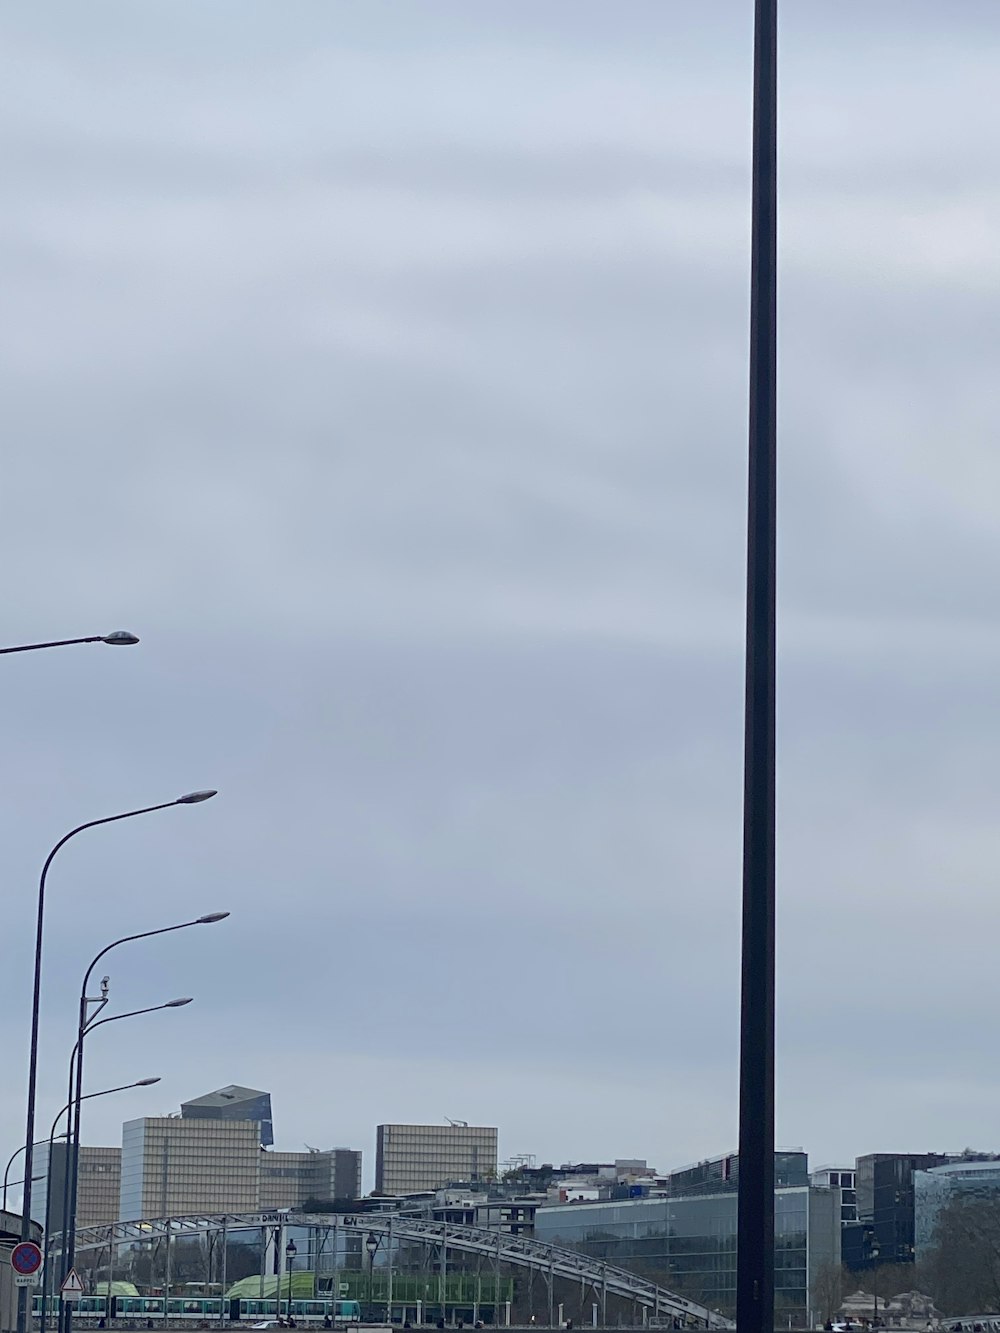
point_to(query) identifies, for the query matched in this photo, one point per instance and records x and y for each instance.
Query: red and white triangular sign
(71, 1284)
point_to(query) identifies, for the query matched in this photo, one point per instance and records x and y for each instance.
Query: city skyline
(387, 377)
(506, 1159)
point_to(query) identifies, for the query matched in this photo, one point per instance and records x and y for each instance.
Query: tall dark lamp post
(875, 1255)
(371, 1245)
(755, 1225)
(290, 1252)
(84, 1025)
(192, 798)
(71, 1175)
(53, 1136)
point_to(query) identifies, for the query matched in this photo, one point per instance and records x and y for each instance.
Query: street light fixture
(371, 1245)
(53, 1136)
(71, 1172)
(119, 637)
(13, 1157)
(192, 798)
(291, 1249)
(86, 1023)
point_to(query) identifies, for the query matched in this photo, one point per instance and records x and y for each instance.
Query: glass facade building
(717, 1175)
(935, 1188)
(687, 1243)
(233, 1103)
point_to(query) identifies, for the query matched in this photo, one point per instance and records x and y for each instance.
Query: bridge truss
(499, 1247)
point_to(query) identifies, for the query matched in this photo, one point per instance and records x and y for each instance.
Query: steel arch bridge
(502, 1248)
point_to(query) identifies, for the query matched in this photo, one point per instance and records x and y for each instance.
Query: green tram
(90, 1310)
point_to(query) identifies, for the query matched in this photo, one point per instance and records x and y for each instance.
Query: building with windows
(685, 1237)
(98, 1185)
(718, 1175)
(839, 1178)
(171, 1165)
(411, 1158)
(291, 1179)
(233, 1103)
(973, 1178)
(214, 1158)
(886, 1202)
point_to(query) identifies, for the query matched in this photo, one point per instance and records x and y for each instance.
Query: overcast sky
(383, 366)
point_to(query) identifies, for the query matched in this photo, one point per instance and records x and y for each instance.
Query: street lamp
(192, 798)
(119, 638)
(875, 1254)
(290, 1252)
(71, 1173)
(13, 1157)
(371, 1245)
(86, 1023)
(755, 1202)
(53, 1136)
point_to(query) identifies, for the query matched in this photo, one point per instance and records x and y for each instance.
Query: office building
(211, 1159)
(976, 1177)
(233, 1103)
(291, 1179)
(171, 1166)
(839, 1178)
(98, 1185)
(687, 1241)
(719, 1175)
(885, 1201)
(411, 1158)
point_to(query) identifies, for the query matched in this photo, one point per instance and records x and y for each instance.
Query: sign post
(72, 1287)
(26, 1262)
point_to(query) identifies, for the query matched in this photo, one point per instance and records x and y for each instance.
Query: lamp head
(195, 797)
(147, 1082)
(119, 637)
(211, 918)
(176, 1004)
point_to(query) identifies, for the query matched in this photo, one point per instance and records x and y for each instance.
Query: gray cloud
(388, 376)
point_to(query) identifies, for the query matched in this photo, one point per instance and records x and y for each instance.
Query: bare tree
(963, 1270)
(827, 1290)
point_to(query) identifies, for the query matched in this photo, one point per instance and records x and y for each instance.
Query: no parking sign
(26, 1261)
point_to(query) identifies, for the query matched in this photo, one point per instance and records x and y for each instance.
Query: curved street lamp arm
(117, 638)
(35, 1001)
(54, 643)
(29, 1133)
(16, 1153)
(126, 939)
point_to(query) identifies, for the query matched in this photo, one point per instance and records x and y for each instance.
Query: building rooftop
(226, 1096)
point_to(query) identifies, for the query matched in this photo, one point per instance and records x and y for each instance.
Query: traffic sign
(72, 1287)
(26, 1258)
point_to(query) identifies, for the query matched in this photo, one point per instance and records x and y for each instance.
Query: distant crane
(457, 1124)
